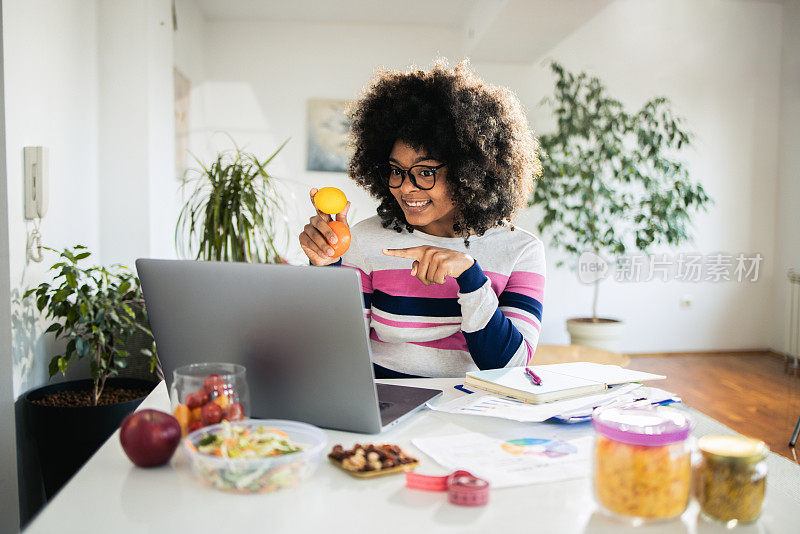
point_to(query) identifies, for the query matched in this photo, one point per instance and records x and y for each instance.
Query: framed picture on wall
(183, 88)
(327, 136)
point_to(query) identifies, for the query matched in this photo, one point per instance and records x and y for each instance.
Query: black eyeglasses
(422, 176)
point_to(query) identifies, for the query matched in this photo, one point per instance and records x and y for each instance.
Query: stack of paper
(507, 408)
(558, 381)
(514, 410)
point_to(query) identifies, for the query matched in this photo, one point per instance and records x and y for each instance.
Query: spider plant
(234, 211)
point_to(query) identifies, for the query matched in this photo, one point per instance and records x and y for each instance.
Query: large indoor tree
(613, 180)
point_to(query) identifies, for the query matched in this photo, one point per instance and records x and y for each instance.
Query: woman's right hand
(317, 236)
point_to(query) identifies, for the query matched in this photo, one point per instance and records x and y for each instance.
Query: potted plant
(96, 310)
(234, 211)
(612, 182)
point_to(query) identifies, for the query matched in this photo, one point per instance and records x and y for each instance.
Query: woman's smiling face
(430, 211)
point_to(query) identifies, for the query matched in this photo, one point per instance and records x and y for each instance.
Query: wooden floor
(754, 393)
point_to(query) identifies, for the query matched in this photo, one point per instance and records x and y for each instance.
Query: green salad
(239, 441)
(248, 459)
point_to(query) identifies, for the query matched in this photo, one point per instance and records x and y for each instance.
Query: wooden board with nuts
(367, 461)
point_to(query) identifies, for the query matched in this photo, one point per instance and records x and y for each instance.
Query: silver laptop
(299, 331)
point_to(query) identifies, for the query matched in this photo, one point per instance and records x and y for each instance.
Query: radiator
(792, 337)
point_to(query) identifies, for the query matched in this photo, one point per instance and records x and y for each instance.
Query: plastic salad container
(248, 457)
(642, 462)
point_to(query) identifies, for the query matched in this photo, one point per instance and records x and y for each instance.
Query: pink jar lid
(644, 425)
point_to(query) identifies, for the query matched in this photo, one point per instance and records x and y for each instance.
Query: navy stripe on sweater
(523, 302)
(415, 305)
(493, 346)
(383, 372)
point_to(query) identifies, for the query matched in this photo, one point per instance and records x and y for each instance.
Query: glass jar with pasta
(642, 462)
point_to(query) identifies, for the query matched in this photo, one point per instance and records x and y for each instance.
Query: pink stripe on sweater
(400, 283)
(497, 280)
(454, 342)
(524, 318)
(528, 284)
(409, 324)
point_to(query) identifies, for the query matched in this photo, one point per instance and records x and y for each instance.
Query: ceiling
(447, 13)
(511, 31)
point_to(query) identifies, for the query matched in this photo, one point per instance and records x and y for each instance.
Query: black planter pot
(64, 438)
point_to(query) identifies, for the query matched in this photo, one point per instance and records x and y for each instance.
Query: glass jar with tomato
(205, 394)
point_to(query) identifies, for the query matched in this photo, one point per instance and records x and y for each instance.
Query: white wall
(138, 190)
(719, 62)
(92, 82)
(50, 53)
(787, 215)
(259, 76)
(189, 41)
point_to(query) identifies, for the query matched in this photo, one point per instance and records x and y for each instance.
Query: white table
(109, 494)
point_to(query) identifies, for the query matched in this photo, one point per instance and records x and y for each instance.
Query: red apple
(196, 399)
(149, 437)
(211, 414)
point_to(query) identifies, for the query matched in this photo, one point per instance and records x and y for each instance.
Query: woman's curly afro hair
(479, 130)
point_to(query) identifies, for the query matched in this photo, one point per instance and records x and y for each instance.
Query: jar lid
(644, 425)
(733, 447)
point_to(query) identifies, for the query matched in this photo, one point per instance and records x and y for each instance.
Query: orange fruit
(183, 416)
(343, 235)
(223, 401)
(330, 200)
(196, 414)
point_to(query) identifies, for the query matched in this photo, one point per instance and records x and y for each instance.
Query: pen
(535, 379)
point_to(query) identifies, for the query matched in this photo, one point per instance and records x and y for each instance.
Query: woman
(449, 284)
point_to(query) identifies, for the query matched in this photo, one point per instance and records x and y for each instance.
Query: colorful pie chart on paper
(552, 448)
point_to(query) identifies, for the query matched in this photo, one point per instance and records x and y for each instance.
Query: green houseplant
(234, 211)
(612, 179)
(96, 310)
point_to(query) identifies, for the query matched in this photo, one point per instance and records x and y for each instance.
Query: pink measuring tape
(462, 487)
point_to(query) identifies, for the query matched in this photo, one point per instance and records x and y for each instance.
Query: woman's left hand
(432, 264)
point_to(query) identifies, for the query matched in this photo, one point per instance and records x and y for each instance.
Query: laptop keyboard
(384, 405)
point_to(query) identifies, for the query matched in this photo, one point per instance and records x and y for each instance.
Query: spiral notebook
(559, 380)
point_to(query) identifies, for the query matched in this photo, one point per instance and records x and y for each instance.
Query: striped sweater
(489, 317)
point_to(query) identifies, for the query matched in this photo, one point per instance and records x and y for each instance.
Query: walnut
(354, 463)
(337, 453)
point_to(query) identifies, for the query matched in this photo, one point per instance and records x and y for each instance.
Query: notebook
(559, 380)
